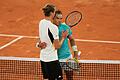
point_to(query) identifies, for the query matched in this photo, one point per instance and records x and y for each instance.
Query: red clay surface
(101, 20)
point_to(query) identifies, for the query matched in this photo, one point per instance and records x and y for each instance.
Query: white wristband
(74, 48)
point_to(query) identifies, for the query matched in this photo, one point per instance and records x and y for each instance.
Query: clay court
(97, 35)
(100, 23)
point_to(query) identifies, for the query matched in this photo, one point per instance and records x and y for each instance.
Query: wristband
(74, 48)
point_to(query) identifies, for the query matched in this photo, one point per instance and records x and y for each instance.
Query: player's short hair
(58, 12)
(48, 9)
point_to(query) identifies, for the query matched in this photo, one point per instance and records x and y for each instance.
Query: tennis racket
(73, 18)
(73, 64)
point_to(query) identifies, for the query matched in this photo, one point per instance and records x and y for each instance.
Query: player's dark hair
(58, 12)
(48, 9)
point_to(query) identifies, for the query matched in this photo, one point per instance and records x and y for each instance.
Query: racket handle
(79, 53)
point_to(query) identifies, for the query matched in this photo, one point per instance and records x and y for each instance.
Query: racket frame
(76, 62)
(70, 14)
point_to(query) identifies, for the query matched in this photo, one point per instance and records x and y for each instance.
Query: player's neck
(48, 18)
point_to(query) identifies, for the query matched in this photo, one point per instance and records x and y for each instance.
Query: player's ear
(52, 14)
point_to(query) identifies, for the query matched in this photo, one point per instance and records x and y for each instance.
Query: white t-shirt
(47, 33)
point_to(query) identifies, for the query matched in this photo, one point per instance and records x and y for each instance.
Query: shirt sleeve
(67, 28)
(55, 32)
(70, 32)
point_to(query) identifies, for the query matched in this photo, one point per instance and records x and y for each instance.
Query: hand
(41, 45)
(77, 54)
(64, 34)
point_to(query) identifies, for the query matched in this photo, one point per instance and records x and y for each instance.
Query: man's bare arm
(74, 46)
(58, 43)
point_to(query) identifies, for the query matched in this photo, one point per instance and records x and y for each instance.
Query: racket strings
(73, 65)
(73, 18)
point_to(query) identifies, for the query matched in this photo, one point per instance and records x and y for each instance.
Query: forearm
(74, 48)
(73, 45)
(72, 42)
(61, 41)
(58, 43)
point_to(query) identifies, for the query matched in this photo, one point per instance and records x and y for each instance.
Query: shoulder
(53, 27)
(43, 21)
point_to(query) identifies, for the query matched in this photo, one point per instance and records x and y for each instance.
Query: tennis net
(16, 68)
